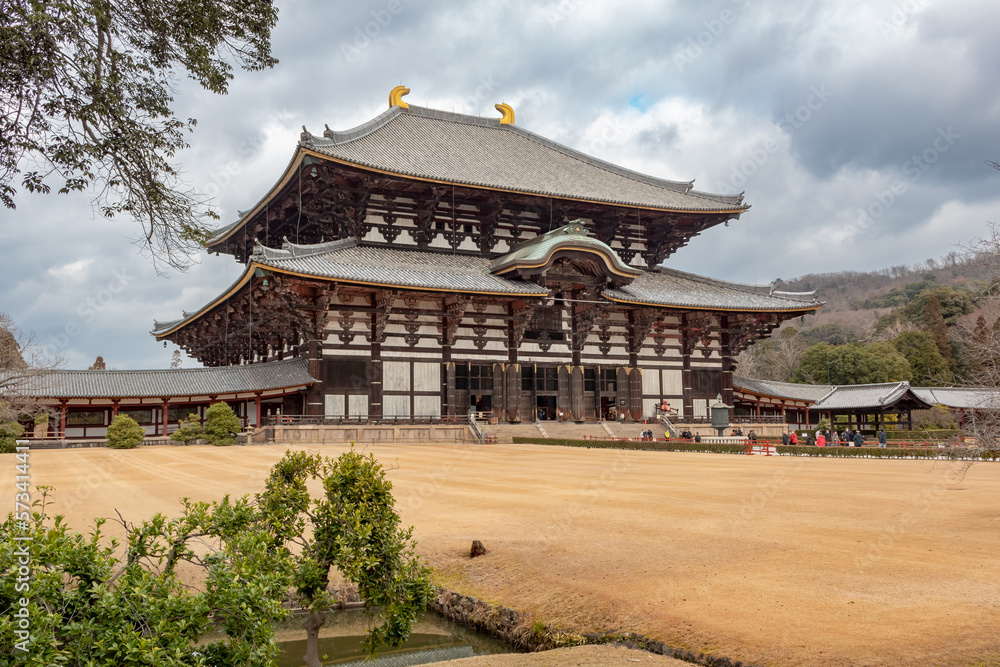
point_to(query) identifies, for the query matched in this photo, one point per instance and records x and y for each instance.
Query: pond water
(433, 639)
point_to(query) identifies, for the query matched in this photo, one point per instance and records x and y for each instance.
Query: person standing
(784, 439)
(821, 440)
(793, 439)
(834, 438)
(882, 437)
(859, 440)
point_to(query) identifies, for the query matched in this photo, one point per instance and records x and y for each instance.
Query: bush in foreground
(189, 430)
(10, 433)
(221, 424)
(93, 600)
(125, 433)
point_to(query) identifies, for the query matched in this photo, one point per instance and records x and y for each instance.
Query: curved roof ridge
(757, 289)
(174, 371)
(541, 248)
(289, 249)
(335, 137)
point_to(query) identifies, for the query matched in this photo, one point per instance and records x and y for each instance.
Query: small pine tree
(189, 429)
(10, 433)
(175, 360)
(125, 433)
(98, 364)
(221, 424)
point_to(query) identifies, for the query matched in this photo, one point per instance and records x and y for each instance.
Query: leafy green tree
(10, 433)
(91, 602)
(189, 429)
(87, 88)
(221, 424)
(928, 366)
(934, 325)
(353, 529)
(852, 364)
(828, 333)
(125, 433)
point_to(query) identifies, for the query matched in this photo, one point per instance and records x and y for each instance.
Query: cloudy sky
(858, 131)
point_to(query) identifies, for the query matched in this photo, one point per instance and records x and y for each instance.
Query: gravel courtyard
(775, 560)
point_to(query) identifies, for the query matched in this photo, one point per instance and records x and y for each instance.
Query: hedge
(869, 452)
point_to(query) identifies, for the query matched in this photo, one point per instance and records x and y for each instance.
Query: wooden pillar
(726, 351)
(166, 403)
(909, 420)
(622, 400)
(576, 338)
(314, 399)
(633, 346)
(576, 393)
(114, 407)
(597, 392)
(564, 398)
(375, 382)
(511, 335)
(449, 386)
(62, 418)
(259, 421)
(499, 391)
(687, 380)
(513, 392)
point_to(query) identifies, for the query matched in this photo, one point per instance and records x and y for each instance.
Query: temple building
(431, 264)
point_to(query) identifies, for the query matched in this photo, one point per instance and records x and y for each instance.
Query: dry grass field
(774, 560)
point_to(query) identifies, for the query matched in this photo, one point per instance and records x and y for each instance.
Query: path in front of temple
(764, 559)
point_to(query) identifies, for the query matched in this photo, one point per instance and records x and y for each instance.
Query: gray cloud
(723, 92)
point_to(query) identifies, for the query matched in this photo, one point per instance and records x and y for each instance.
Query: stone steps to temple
(568, 430)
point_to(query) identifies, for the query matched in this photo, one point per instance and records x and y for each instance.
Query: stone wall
(371, 433)
(523, 633)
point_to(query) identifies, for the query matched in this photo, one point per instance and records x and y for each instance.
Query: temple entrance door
(607, 403)
(481, 403)
(546, 392)
(545, 408)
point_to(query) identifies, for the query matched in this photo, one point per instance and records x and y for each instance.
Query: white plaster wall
(396, 406)
(395, 376)
(426, 377)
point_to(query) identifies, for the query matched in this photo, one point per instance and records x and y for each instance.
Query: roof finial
(507, 111)
(396, 97)
(306, 135)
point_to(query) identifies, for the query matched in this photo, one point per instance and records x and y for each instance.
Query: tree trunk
(314, 621)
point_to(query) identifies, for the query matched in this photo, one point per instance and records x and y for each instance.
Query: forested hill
(928, 324)
(853, 290)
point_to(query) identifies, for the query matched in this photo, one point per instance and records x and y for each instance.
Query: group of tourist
(824, 437)
(688, 436)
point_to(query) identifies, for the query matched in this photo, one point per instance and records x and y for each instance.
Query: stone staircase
(567, 430)
(504, 432)
(634, 430)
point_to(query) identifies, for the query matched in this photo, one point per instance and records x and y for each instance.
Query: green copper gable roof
(538, 251)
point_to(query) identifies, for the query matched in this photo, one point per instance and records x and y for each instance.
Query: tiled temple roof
(167, 383)
(346, 261)
(869, 396)
(789, 390)
(471, 150)
(669, 287)
(445, 147)
(970, 398)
